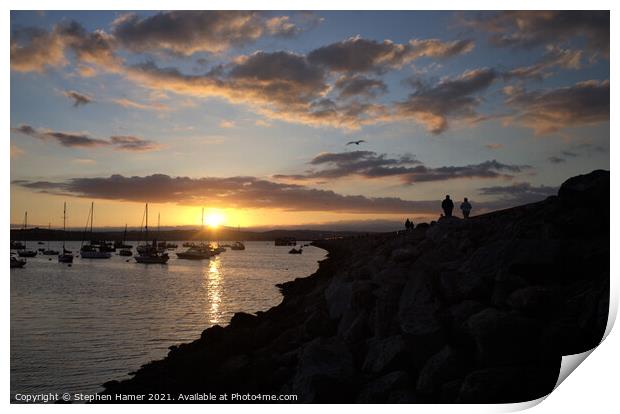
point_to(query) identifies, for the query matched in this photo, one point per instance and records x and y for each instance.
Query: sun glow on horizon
(214, 219)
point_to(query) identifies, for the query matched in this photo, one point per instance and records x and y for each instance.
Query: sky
(300, 118)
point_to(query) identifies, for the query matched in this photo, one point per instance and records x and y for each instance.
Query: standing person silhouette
(465, 208)
(447, 205)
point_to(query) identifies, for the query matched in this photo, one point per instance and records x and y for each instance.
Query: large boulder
(385, 354)
(446, 365)
(325, 372)
(504, 338)
(393, 387)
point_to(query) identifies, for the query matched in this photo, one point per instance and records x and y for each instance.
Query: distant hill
(224, 234)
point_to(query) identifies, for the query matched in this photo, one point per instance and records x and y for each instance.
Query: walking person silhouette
(447, 205)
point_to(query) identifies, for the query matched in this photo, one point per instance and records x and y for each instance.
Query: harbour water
(74, 328)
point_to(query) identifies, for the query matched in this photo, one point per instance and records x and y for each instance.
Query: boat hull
(151, 260)
(27, 253)
(65, 258)
(95, 255)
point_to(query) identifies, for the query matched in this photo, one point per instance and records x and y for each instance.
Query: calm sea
(74, 328)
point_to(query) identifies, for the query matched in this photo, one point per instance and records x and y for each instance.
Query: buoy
(69, 265)
(49, 258)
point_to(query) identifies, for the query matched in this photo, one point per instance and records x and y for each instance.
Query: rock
(509, 384)
(338, 296)
(325, 372)
(385, 354)
(587, 189)
(444, 366)
(536, 301)
(380, 390)
(458, 286)
(418, 310)
(502, 338)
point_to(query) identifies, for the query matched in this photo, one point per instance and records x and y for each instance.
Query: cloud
(131, 143)
(16, 151)
(360, 86)
(494, 146)
(225, 123)
(234, 192)
(78, 98)
(189, 32)
(555, 57)
(81, 140)
(357, 54)
(550, 110)
(525, 29)
(277, 85)
(519, 193)
(556, 160)
(455, 97)
(128, 103)
(368, 164)
(33, 49)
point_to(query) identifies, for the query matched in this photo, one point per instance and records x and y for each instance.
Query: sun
(214, 220)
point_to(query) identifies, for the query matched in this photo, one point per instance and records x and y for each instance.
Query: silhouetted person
(407, 224)
(447, 205)
(465, 208)
(411, 225)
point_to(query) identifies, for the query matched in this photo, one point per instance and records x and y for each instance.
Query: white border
(593, 387)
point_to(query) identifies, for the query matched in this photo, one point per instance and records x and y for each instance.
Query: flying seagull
(355, 142)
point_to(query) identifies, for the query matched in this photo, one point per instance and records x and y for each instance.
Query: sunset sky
(248, 114)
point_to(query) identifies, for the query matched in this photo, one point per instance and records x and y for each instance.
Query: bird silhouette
(355, 142)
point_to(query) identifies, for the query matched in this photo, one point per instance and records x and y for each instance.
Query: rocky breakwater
(465, 311)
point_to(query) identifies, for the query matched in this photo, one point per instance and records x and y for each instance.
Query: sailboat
(198, 251)
(238, 245)
(125, 248)
(66, 256)
(149, 254)
(123, 244)
(48, 251)
(25, 252)
(92, 250)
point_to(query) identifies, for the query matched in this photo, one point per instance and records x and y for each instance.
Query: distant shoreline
(224, 234)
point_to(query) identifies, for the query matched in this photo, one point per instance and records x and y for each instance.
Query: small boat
(25, 252)
(40, 242)
(17, 245)
(66, 256)
(17, 263)
(123, 244)
(197, 252)
(237, 246)
(285, 241)
(295, 251)
(48, 251)
(125, 252)
(150, 254)
(93, 249)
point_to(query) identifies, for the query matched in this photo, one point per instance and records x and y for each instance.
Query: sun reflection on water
(213, 282)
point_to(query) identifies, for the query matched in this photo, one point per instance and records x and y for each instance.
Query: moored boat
(25, 252)
(237, 246)
(67, 255)
(150, 254)
(92, 250)
(17, 263)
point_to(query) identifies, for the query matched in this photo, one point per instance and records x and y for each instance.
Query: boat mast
(146, 224)
(49, 231)
(25, 227)
(64, 227)
(202, 225)
(125, 234)
(92, 217)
